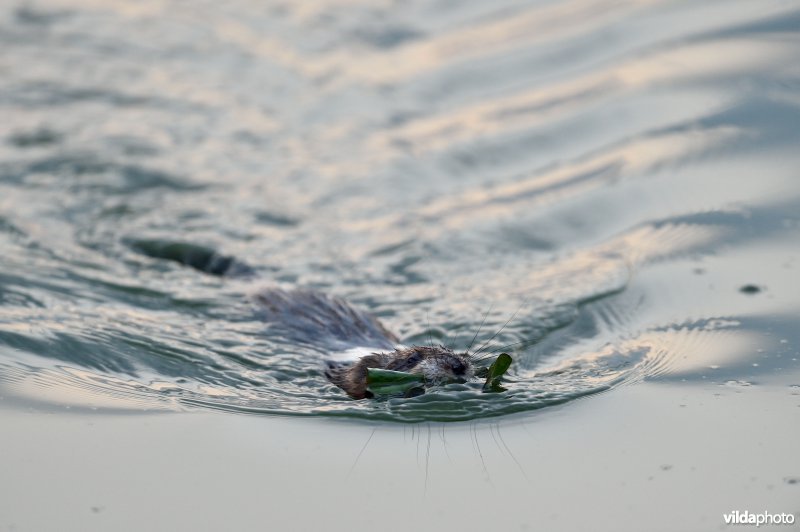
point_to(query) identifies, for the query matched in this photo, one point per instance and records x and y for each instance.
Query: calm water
(619, 181)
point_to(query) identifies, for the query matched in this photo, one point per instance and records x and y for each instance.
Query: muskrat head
(437, 364)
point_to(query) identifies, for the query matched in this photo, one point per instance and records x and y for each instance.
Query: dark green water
(620, 180)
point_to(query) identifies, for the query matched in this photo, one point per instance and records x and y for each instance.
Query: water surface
(616, 180)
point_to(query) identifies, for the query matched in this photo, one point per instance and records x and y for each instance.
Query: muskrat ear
(415, 358)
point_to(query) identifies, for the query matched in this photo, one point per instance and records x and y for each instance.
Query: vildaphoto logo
(764, 518)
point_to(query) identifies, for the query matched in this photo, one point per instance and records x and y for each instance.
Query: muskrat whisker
(428, 458)
(480, 327)
(452, 341)
(504, 325)
(447, 343)
(358, 457)
(428, 319)
(489, 354)
(527, 342)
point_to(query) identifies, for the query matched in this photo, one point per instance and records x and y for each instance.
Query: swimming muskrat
(329, 323)
(325, 323)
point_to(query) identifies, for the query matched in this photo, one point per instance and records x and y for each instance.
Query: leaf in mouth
(385, 381)
(496, 371)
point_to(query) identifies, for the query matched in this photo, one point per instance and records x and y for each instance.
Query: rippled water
(615, 180)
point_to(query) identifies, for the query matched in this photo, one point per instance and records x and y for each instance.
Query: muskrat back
(330, 324)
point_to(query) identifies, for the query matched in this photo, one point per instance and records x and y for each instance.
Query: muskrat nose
(459, 368)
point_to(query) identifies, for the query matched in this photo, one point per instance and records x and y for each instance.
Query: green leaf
(496, 371)
(387, 376)
(386, 381)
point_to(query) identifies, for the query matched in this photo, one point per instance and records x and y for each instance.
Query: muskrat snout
(459, 368)
(443, 365)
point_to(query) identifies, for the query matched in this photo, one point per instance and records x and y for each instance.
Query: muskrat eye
(459, 368)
